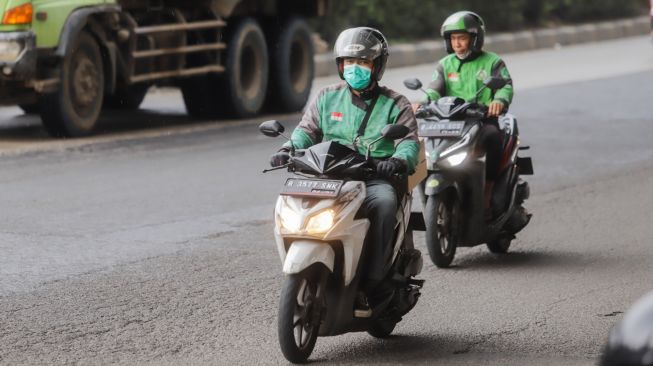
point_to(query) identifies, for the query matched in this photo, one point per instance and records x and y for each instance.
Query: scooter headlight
(455, 159)
(290, 220)
(321, 223)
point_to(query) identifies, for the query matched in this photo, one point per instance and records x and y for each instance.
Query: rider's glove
(280, 158)
(421, 112)
(390, 167)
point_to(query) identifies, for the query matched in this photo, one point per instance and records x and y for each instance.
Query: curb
(431, 51)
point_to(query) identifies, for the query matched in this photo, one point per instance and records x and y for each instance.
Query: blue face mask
(358, 77)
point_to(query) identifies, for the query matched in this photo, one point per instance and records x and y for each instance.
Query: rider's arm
(408, 148)
(436, 87)
(505, 94)
(308, 132)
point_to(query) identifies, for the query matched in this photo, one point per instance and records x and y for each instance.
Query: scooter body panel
(304, 253)
(467, 179)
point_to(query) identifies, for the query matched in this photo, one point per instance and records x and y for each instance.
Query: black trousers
(492, 144)
(380, 207)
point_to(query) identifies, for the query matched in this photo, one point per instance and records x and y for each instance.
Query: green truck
(68, 59)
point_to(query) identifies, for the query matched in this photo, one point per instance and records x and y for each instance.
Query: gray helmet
(468, 22)
(631, 341)
(362, 42)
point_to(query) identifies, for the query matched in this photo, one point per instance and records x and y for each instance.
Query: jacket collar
(366, 95)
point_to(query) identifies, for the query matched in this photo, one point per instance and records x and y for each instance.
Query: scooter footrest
(399, 279)
(416, 282)
(525, 166)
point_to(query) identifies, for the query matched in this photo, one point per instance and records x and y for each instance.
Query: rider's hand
(280, 158)
(495, 109)
(415, 106)
(389, 167)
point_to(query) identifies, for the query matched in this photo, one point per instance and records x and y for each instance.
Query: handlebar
(474, 111)
(480, 112)
(367, 171)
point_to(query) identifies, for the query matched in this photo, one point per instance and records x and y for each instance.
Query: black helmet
(468, 22)
(362, 42)
(631, 341)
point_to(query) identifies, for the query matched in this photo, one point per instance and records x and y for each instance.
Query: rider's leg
(380, 207)
(491, 141)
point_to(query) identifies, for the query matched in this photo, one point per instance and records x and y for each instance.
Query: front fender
(76, 21)
(303, 253)
(436, 183)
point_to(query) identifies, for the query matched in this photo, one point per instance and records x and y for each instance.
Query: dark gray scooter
(452, 194)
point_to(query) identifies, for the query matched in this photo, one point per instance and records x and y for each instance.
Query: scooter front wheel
(441, 216)
(300, 312)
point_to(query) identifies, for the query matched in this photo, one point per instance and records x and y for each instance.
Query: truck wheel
(74, 108)
(240, 90)
(127, 97)
(291, 65)
(245, 81)
(201, 97)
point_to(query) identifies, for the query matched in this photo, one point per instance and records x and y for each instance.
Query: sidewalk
(431, 51)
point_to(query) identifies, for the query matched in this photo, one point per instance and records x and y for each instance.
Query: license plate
(440, 129)
(312, 187)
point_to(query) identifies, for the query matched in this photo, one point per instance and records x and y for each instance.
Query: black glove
(390, 167)
(280, 158)
(421, 112)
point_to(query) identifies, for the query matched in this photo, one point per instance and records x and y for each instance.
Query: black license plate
(441, 129)
(312, 187)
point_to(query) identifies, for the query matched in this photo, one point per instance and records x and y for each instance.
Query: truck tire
(240, 90)
(127, 98)
(291, 65)
(245, 82)
(73, 110)
(201, 97)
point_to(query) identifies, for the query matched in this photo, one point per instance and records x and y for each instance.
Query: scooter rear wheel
(499, 246)
(300, 312)
(382, 328)
(441, 229)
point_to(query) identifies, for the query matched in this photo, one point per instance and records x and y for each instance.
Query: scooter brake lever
(277, 168)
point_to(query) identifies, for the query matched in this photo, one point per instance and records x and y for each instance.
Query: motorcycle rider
(353, 113)
(461, 74)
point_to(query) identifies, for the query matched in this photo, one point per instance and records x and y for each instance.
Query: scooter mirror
(395, 132)
(271, 128)
(413, 83)
(495, 83)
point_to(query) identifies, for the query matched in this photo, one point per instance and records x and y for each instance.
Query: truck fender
(76, 21)
(303, 253)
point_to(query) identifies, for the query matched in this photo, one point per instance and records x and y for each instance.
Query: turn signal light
(19, 15)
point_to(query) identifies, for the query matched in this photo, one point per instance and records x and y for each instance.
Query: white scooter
(320, 237)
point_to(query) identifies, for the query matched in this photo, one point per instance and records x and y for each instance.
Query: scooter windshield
(327, 158)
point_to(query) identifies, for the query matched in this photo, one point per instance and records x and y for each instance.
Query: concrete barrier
(402, 55)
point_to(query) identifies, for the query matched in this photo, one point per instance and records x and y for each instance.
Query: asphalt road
(151, 243)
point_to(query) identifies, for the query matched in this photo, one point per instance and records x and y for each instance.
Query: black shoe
(362, 308)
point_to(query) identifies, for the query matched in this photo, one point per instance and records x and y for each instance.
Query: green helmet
(468, 22)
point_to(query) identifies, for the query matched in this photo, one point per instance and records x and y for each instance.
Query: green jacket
(463, 79)
(336, 115)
